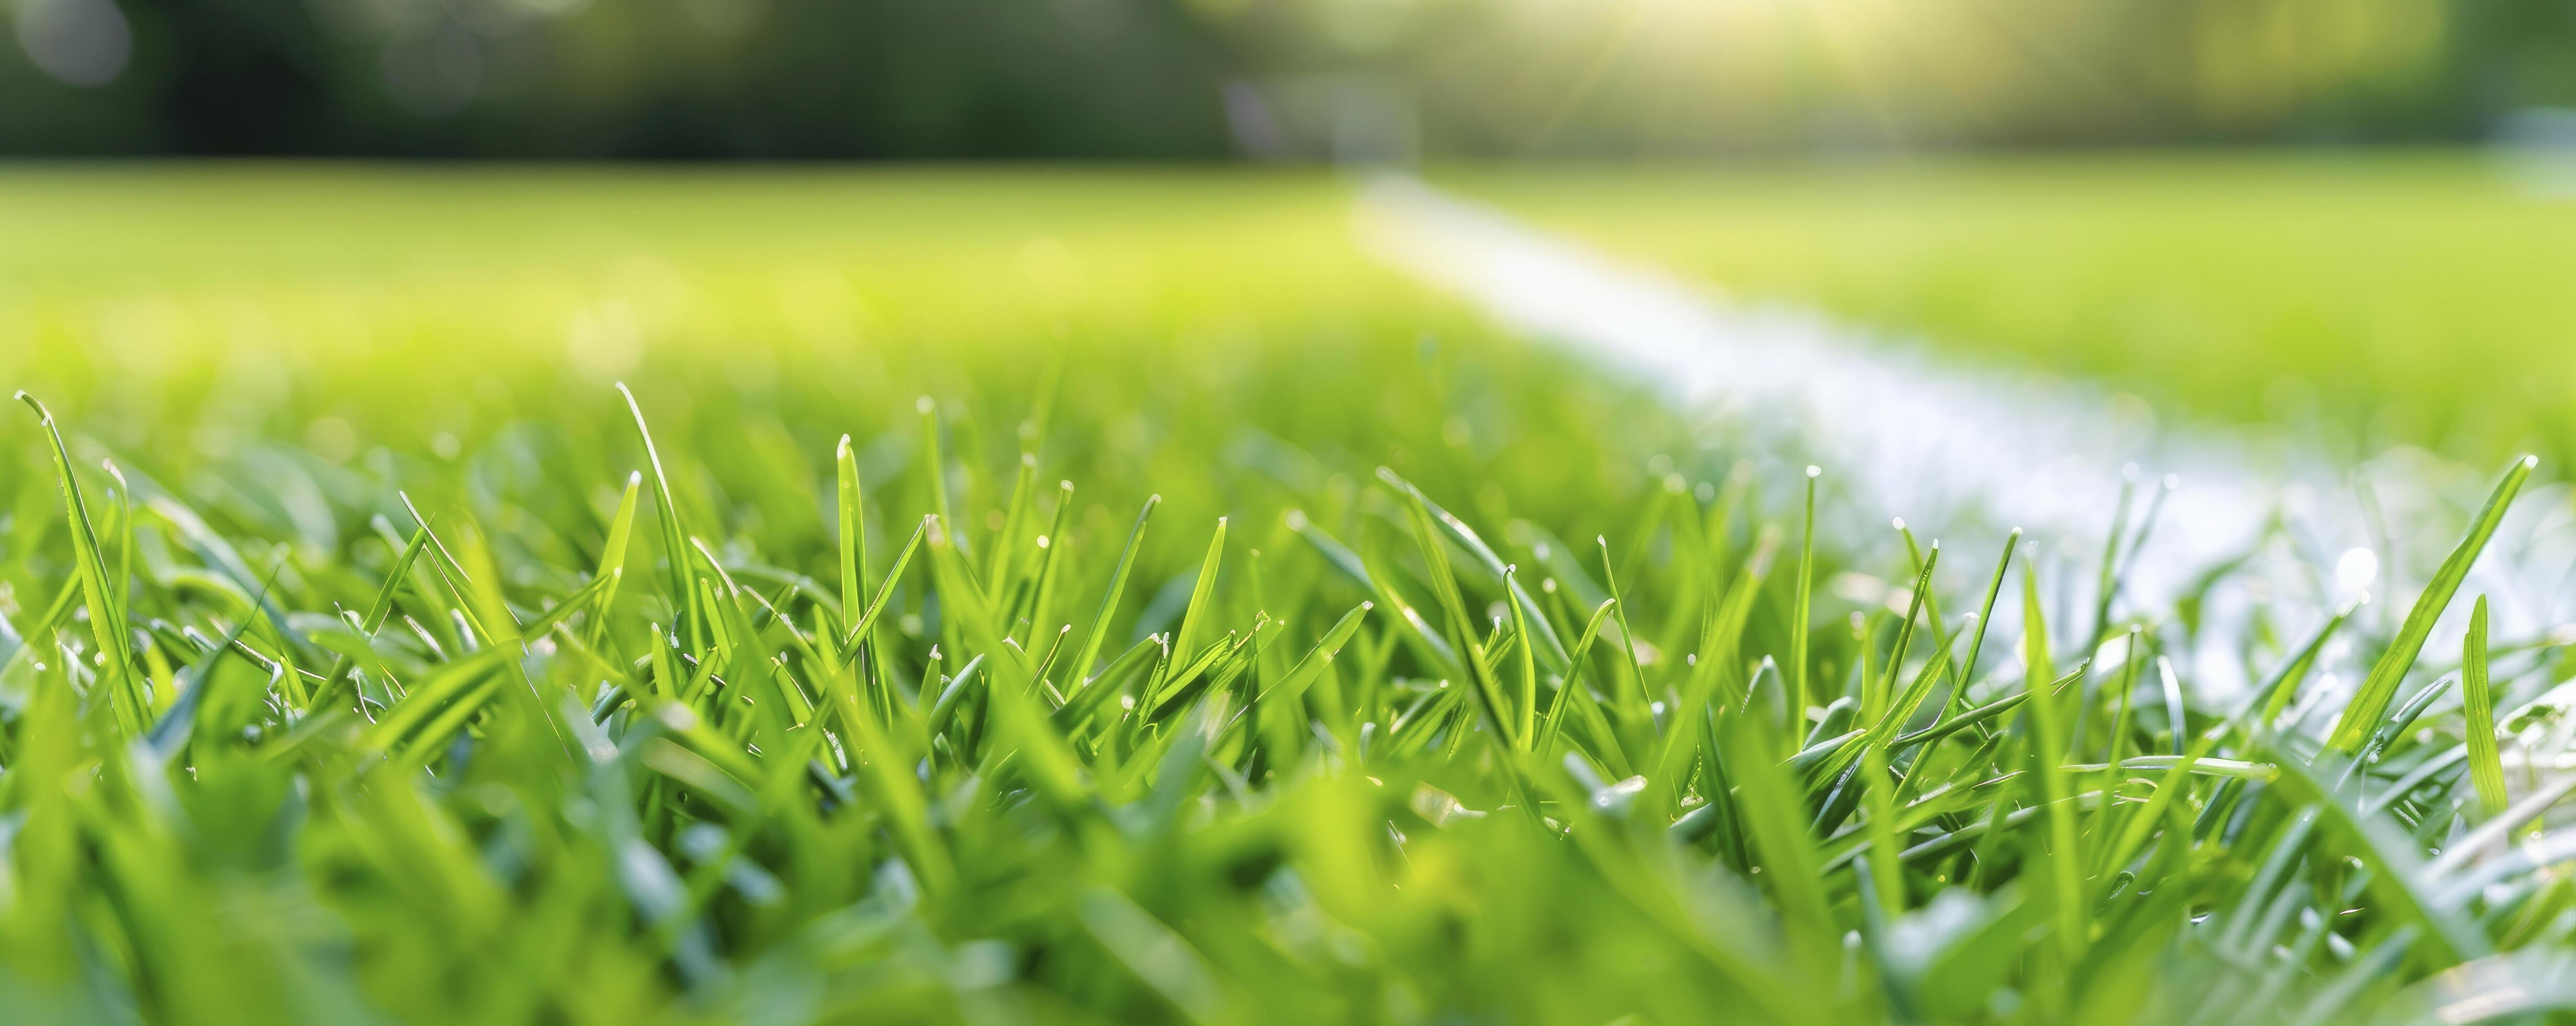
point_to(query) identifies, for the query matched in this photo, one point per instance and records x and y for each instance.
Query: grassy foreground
(1370, 667)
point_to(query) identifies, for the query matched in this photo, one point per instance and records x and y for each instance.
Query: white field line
(1970, 452)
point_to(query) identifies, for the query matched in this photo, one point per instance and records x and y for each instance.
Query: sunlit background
(1270, 79)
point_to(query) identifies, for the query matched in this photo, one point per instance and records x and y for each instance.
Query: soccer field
(2394, 299)
(556, 595)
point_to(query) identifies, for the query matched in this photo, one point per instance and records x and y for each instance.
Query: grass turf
(399, 668)
(2358, 300)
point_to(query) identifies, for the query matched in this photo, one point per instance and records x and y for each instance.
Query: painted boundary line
(1973, 452)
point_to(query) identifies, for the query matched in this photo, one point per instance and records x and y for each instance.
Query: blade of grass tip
(1109, 597)
(852, 508)
(1802, 610)
(1020, 732)
(377, 612)
(432, 587)
(612, 557)
(675, 547)
(854, 543)
(1195, 616)
(1045, 672)
(1914, 558)
(1444, 588)
(1527, 704)
(104, 599)
(480, 604)
(1985, 615)
(1549, 648)
(2486, 766)
(1082, 695)
(2125, 696)
(1565, 691)
(2174, 712)
(752, 656)
(937, 468)
(1415, 632)
(885, 590)
(667, 681)
(1292, 686)
(1874, 704)
(2361, 716)
(1627, 637)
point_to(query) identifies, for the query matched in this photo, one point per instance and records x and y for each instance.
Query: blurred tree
(1201, 79)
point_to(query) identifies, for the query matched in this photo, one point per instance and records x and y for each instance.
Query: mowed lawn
(2377, 298)
(124, 271)
(189, 311)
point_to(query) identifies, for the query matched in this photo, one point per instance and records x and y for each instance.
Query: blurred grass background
(270, 340)
(378, 294)
(2407, 298)
(2401, 299)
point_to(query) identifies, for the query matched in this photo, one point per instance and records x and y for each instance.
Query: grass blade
(612, 557)
(1081, 666)
(1985, 615)
(2361, 717)
(675, 547)
(1802, 609)
(2486, 766)
(104, 598)
(1194, 617)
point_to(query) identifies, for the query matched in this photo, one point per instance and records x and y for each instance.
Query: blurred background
(1262, 79)
(2337, 220)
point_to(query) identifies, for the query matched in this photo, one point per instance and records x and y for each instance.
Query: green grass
(399, 668)
(2377, 298)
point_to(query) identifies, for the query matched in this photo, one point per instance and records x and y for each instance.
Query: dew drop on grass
(2355, 570)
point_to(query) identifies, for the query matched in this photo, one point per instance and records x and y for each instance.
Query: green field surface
(1095, 597)
(2390, 298)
